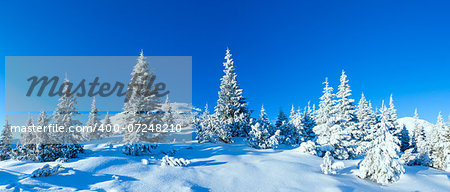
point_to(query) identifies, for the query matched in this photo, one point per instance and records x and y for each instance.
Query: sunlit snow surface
(213, 167)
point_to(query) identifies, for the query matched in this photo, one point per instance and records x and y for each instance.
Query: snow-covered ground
(213, 167)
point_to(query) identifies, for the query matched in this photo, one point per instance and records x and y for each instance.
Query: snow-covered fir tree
(168, 117)
(211, 129)
(232, 106)
(5, 141)
(259, 136)
(94, 123)
(325, 115)
(43, 137)
(345, 108)
(142, 105)
(381, 163)
(295, 119)
(281, 119)
(366, 124)
(346, 115)
(366, 118)
(439, 144)
(404, 139)
(200, 125)
(418, 140)
(28, 136)
(330, 135)
(307, 123)
(289, 134)
(63, 116)
(107, 123)
(327, 164)
(394, 126)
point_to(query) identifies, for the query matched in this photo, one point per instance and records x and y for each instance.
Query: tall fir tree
(366, 124)
(394, 126)
(142, 105)
(325, 115)
(94, 123)
(64, 116)
(346, 115)
(331, 135)
(232, 106)
(380, 163)
(345, 108)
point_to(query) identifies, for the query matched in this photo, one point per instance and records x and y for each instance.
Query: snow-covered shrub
(47, 170)
(24, 152)
(56, 151)
(137, 149)
(46, 152)
(327, 165)
(308, 147)
(174, 162)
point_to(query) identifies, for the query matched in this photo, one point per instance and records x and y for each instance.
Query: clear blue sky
(282, 50)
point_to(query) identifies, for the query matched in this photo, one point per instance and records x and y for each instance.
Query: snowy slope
(214, 167)
(409, 123)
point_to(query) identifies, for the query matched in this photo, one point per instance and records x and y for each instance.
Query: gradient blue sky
(283, 50)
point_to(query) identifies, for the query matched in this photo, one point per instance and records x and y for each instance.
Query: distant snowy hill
(409, 123)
